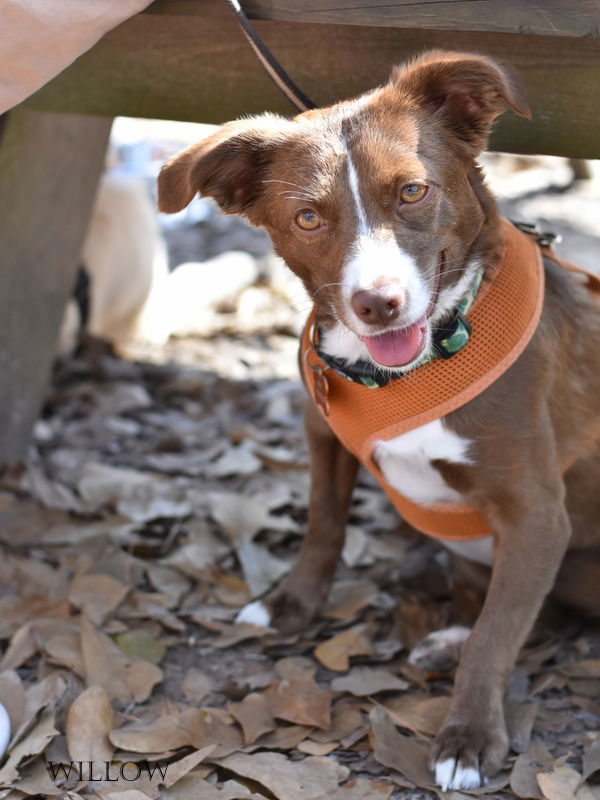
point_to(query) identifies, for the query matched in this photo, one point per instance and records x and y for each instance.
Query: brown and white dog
(365, 201)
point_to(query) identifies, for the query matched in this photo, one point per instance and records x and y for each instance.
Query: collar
(447, 340)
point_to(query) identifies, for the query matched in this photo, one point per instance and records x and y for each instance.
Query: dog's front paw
(465, 756)
(284, 609)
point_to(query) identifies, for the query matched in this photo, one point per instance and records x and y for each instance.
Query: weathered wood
(49, 169)
(543, 17)
(200, 68)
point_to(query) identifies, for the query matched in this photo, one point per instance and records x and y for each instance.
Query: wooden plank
(201, 69)
(49, 169)
(542, 17)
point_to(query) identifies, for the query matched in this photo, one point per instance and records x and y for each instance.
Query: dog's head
(372, 202)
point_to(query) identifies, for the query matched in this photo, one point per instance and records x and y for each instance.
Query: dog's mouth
(403, 346)
(399, 347)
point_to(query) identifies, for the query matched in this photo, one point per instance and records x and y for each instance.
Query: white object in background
(125, 257)
(4, 730)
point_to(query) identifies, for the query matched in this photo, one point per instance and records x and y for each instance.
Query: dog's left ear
(466, 90)
(228, 165)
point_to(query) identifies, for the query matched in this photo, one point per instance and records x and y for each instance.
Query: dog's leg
(473, 742)
(298, 598)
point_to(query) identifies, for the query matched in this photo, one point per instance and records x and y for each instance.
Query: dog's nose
(374, 308)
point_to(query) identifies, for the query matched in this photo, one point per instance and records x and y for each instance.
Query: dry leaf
(591, 758)
(418, 713)
(335, 653)
(254, 715)
(89, 721)
(300, 701)
(193, 727)
(35, 742)
(589, 668)
(285, 779)
(361, 789)
(239, 632)
(139, 644)
(562, 784)
(178, 769)
(363, 681)
(405, 754)
(123, 678)
(96, 595)
(523, 778)
(293, 668)
(312, 748)
(196, 685)
(347, 598)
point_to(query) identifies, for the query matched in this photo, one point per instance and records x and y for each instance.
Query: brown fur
(428, 123)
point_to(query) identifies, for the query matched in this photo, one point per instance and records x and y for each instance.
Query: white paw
(440, 650)
(450, 774)
(255, 613)
(4, 730)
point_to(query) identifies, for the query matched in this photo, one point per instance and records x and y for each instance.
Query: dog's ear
(228, 165)
(466, 90)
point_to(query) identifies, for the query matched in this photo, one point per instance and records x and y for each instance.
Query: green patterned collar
(446, 342)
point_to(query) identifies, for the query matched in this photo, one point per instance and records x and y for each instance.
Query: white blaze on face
(376, 260)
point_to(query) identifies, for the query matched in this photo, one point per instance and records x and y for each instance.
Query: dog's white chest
(406, 465)
(406, 462)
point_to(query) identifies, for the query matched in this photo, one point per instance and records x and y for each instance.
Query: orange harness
(360, 416)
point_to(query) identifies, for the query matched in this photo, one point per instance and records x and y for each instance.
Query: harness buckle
(543, 238)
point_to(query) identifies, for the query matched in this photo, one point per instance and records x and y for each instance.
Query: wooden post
(49, 169)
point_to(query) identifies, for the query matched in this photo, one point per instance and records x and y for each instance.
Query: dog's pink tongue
(396, 348)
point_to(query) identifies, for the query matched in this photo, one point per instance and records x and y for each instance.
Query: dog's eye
(413, 192)
(308, 220)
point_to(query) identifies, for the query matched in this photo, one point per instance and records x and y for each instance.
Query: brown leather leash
(273, 68)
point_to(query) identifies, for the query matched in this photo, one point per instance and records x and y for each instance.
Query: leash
(273, 68)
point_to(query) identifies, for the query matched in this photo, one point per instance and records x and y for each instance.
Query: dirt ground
(163, 494)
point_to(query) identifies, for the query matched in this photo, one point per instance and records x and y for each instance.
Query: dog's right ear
(228, 165)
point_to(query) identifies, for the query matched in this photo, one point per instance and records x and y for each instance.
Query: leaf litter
(159, 500)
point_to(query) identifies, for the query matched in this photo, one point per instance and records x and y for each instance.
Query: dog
(377, 203)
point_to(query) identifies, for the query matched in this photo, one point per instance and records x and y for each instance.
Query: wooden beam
(200, 68)
(49, 169)
(542, 18)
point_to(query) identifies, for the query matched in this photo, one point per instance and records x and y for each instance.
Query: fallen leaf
(335, 653)
(254, 715)
(239, 632)
(588, 668)
(288, 780)
(293, 668)
(407, 755)
(591, 758)
(123, 678)
(89, 721)
(563, 783)
(192, 727)
(96, 595)
(196, 685)
(361, 789)
(300, 701)
(177, 769)
(523, 778)
(138, 644)
(316, 748)
(417, 713)
(34, 743)
(364, 681)
(349, 597)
